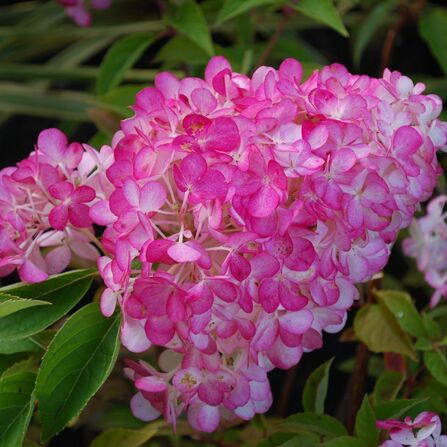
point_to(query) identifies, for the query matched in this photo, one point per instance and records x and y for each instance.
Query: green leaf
(432, 28)
(178, 50)
(16, 407)
(188, 19)
(316, 423)
(396, 408)
(377, 327)
(10, 304)
(233, 8)
(120, 99)
(401, 306)
(368, 27)
(125, 436)
(28, 100)
(62, 291)
(315, 389)
(387, 386)
(343, 441)
(323, 11)
(299, 440)
(121, 56)
(78, 361)
(365, 425)
(431, 326)
(436, 363)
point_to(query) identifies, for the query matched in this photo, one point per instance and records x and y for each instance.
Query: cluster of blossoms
(44, 207)
(79, 12)
(427, 244)
(244, 211)
(239, 214)
(423, 431)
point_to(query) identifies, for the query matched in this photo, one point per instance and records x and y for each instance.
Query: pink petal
(83, 194)
(142, 408)
(152, 197)
(30, 273)
(151, 384)
(223, 135)
(108, 302)
(58, 259)
(204, 417)
(269, 295)
(204, 100)
(52, 142)
(263, 202)
(79, 215)
(61, 190)
(101, 214)
(58, 217)
(181, 252)
(296, 322)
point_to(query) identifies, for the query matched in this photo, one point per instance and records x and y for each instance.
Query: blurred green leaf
(315, 389)
(322, 11)
(125, 436)
(64, 291)
(436, 363)
(120, 99)
(396, 408)
(78, 361)
(27, 100)
(233, 8)
(315, 423)
(343, 441)
(402, 307)
(10, 304)
(377, 327)
(433, 29)
(16, 407)
(368, 27)
(188, 19)
(178, 50)
(365, 425)
(387, 386)
(121, 56)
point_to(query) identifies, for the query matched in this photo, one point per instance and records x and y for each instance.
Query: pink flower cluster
(427, 244)
(44, 207)
(423, 431)
(244, 211)
(79, 12)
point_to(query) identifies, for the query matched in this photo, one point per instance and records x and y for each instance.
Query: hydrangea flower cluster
(244, 211)
(423, 431)
(427, 244)
(239, 214)
(44, 207)
(79, 12)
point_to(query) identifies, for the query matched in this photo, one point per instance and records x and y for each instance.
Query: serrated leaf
(365, 425)
(78, 361)
(323, 11)
(10, 304)
(343, 441)
(387, 386)
(369, 26)
(402, 307)
(233, 8)
(315, 389)
(188, 19)
(436, 363)
(395, 409)
(432, 28)
(321, 424)
(16, 407)
(63, 291)
(121, 56)
(377, 327)
(125, 436)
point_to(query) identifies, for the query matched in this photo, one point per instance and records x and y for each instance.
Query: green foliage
(63, 292)
(10, 304)
(387, 386)
(365, 425)
(323, 11)
(16, 407)
(121, 56)
(436, 362)
(315, 389)
(125, 436)
(188, 19)
(78, 361)
(379, 329)
(233, 8)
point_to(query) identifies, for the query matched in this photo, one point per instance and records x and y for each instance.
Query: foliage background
(54, 74)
